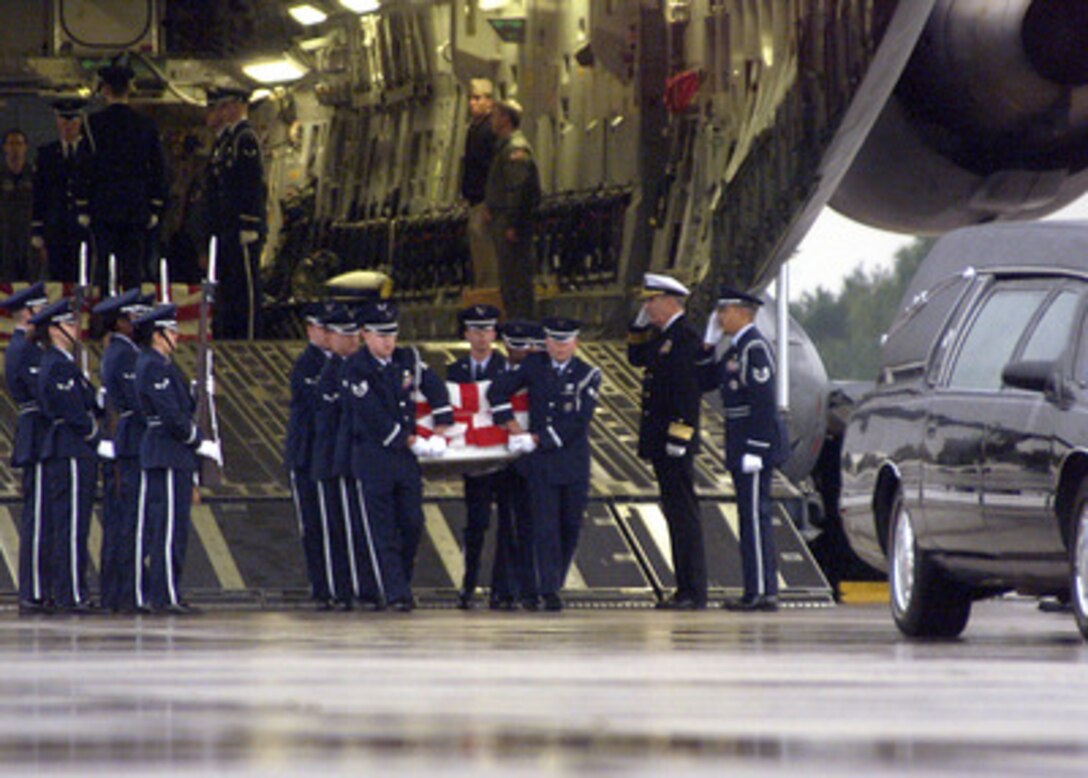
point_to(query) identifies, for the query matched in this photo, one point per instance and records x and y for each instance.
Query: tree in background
(847, 327)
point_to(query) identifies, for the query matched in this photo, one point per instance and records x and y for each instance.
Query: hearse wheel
(1078, 589)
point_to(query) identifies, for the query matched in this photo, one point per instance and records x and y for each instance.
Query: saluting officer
(61, 208)
(379, 381)
(127, 180)
(236, 212)
(663, 343)
(563, 394)
(482, 363)
(168, 459)
(21, 365)
(72, 439)
(754, 443)
(121, 479)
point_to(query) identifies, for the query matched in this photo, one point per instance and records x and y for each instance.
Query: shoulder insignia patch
(359, 389)
(666, 347)
(160, 385)
(761, 374)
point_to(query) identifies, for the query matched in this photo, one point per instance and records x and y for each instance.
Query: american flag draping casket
(474, 435)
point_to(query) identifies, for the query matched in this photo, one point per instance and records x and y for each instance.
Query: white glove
(420, 447)
(674, 450)
(37, 242)
(100, 398)
(153, 221)
(83, 220)
(643, 318)
(436, 446)
(105, 449)
(212, 450)
(245, 237)
(714, 332)
(522, 443)
(750, 463)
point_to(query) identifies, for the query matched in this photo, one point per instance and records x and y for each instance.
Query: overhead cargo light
(306, 14)
(492, 5)
(274, 71)
(509, 30)
(361, 6)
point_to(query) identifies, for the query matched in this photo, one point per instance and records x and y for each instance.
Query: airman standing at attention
(479, 151)
(21, 364)
(482, 363)
(662, 342)
(512, 193)
(754, 443)
(563, 394)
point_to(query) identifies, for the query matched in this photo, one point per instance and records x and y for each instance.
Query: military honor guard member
(236, 212)
(127, 187)
(754, 439)
(69, 453)
(563, 394)
(61, 209)
(121, 478)
(662, 342)
(21, 369)
(168, 459)
(479, 325)
(379, 382)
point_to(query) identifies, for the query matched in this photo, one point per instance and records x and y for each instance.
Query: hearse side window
(993, 336)
(1051, 334)
(1082, 353)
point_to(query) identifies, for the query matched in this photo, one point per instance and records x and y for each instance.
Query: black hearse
(965, 471)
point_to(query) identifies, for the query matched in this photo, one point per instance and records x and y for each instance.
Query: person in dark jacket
(483, 363)
(61, 209)
(121, 478)
(754, 443)
(479, 150)
(563, 393)
(663, 343)
(17, 262)
(21, 366)
(127, 181)
(168, 459)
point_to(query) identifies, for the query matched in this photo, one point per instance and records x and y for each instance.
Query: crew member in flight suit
(121, 478)
(483, 363)
(754, 435)
(72, 440)
(563, 394)
(379, 382)
(61, 217)
(663, 343)
(236, 213)
(21, 365)
(168, 459)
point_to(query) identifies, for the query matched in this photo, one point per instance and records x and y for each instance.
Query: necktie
(475, 371)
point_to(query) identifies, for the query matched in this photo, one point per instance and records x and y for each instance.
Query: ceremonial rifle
(206, 419)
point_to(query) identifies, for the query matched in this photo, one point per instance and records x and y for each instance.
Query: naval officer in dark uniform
(379, 382)
(127, 180)
(663, 343)
(21, 365)
(563, 394)
(61, 208)
(479, 325)
(236, 212)
(168, 459)
(754, 436)
(121, 478)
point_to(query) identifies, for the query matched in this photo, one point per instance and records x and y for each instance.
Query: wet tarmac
(806, 691)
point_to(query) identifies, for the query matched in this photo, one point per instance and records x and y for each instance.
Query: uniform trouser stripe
(36, 558)
(346, 505)
(298, 504)
(757, 535)
(168, 546)
(326, 545)
(73, 530)
(141, 517)
(365, 519)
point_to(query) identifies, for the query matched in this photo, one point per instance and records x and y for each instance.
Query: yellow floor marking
(449, 550)
(216, 547)
(9, 541)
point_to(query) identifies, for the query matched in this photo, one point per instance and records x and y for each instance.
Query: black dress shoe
(682, 603)
(552, 602)
(178, 609)
(504, 604)
(324, 605)
(763, 602)
(33, 607)
(464, 600)
(530, 604)
(81, 609)
(402, 606)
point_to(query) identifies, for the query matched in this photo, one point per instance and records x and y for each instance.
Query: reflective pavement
(828, 691)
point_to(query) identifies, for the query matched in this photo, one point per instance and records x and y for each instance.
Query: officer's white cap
(654, 284)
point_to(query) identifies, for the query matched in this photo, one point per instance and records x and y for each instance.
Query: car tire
(1078, 557)
(925, 603)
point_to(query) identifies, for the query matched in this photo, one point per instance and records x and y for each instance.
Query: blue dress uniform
(297, 458)
(483, 490)
(236, 203)
(60, 197)
(68, 453)
(21, 369)
(382, 415)
(562, 399)
(121, 478)
(745, 375)
(168, 460)
(669, 435)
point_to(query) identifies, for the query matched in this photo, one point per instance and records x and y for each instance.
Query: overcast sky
(836, 245)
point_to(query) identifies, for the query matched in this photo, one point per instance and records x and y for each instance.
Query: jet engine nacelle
(989, 121)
